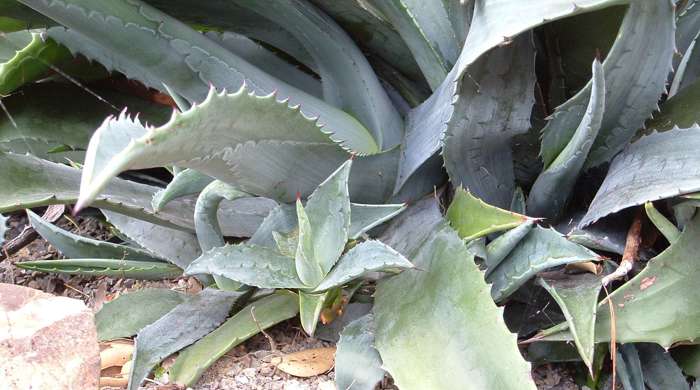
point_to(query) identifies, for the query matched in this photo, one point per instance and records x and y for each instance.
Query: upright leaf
(494, 104)
(495, 23)
(307, 267)
(646, 42)
(551, 191)
(310, 305)
(499, 248)
(629, 367)
(129, 313)
(465, 335)
(182, 326)
(328, 210)
(473, 218)
(349, 82)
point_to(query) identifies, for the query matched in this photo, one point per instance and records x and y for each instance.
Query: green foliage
(276, 101)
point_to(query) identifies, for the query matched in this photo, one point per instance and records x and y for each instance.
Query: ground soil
(246, 366)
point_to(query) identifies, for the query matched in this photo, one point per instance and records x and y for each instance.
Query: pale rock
(46, 342)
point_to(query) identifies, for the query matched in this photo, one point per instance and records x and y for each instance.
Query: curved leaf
(249, 264)
(494, 104)
(645, 42)
(206, 221)
(666, 227)
(171, 53)
(349, 82)
(182, 326)
(368, 256)
(130, 312)
(426, 29)
(267, 61)
(498, 249)
(358, 365)
(473, 218)
(494, 23)
(74, 246)
(551, 191)
(121, 144)
(186, 182)
(364, 217)
(539, 250)
(193, 361)
(465, 335)
(660, 370)
(657, 166)
(116, 268)
(373, 32)
(30, 62)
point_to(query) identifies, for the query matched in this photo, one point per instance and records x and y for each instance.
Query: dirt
(247, 366)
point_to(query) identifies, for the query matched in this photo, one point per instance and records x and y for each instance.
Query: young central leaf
(328, 211)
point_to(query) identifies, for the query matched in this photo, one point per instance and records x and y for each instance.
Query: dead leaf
(307, 363)
(587, 266)
(115, 353)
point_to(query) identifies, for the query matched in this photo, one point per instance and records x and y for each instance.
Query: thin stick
(273, 345)
(631, 252)
(613, 336)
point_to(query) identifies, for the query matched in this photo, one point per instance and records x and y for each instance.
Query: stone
(46, 342)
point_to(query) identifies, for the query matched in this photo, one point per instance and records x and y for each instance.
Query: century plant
(545, 133)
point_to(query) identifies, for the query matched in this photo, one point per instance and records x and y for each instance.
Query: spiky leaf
(473, 218)
(494, 105)
(465, 335)
(131, 312)
(180, 327)
(539, 250)
(650, 50)
(368, 256)
(116, 268)
(578, 299)
(657, 166)
(184, 183)
(259, 315)
(31, 60)
(75, 246)
(249, 264)
(498, 249)
(551, 191)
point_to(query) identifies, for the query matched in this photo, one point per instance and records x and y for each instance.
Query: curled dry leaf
(115, 362)
(587, 266)
(307, 363)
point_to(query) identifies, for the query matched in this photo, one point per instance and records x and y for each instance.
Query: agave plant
(545, 132)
